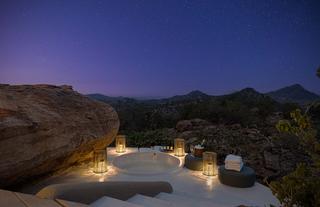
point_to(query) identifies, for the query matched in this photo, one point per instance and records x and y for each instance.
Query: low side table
(243, 179)
(193, 163)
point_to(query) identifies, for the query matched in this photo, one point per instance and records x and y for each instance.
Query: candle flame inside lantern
(121, 143)
(179, 147)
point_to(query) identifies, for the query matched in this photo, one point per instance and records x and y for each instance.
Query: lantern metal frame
(100, 161)
(209, 163)
(179, 147)
(121, 144)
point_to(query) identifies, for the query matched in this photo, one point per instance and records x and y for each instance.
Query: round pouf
(193, 163)
(243, 179)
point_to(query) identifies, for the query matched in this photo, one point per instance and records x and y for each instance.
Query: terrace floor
(184, 182)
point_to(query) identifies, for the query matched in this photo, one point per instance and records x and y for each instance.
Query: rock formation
(270, 155)
(44, 128)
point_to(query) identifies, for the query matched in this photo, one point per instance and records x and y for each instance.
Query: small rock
(184, 125)
(271, 161)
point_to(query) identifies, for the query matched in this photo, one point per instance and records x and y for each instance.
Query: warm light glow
(102, 179)
(100, 161)
(120, 143)
(179, 147)
(209, 163)
(121, 148)
(210, 183)
(112, 151)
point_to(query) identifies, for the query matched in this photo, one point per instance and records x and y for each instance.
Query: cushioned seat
(243, 179)
(193, 163)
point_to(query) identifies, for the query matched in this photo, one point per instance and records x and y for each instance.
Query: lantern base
(179, 155)
(100, 172)
(215, 174)
(120, 151)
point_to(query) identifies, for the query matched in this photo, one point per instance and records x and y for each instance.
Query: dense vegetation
(246, 107)
(302, 186)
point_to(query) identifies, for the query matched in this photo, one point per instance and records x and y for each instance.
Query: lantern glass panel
(179, 147)
(100, 161)
(121, 143)
(209, 163)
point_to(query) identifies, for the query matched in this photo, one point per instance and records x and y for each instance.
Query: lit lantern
(121, 143)
(179, 147)
(209, 163)
(100, 161)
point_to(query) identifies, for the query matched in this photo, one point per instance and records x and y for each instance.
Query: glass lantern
(209, 163)
(179, 147)
(120, 143)
(100, 161)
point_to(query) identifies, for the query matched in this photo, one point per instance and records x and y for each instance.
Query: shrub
(301, 187)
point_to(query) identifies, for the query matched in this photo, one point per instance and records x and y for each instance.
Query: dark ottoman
(193, 163)
(243, 179)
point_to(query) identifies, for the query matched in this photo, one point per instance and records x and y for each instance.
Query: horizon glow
(160, 48)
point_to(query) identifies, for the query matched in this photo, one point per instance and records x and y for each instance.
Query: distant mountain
(109, 99)
(192, 96)
(247, 94)
(294, 93)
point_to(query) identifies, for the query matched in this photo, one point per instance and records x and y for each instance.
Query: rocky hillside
(270, 154)
(44, 128)
(247, 107)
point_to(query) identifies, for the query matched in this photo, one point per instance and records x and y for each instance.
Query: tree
(302, 186)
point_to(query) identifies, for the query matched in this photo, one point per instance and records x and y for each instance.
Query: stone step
(69, 203)
(8, 198)
(220, 198)
(106, 201)
(14, 199)
(151, 202)
(34, 201)
(190, 201)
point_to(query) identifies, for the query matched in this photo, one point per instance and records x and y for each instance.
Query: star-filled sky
(160, 47)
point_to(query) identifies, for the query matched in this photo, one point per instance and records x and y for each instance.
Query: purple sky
(160, 48)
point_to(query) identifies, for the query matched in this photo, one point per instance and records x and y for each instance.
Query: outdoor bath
(146, 163)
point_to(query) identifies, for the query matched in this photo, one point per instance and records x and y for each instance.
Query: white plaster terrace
(187, 183)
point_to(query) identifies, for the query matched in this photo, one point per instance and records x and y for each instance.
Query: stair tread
(188, 200)
(151, 201)
(32, 200)
(106, 201)
(220, 198)
(8, 198)
(65, 203)
(182, 200)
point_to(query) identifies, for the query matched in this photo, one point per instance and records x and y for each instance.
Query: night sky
(160, 48)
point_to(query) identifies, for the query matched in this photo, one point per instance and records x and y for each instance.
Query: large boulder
(44, 128)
